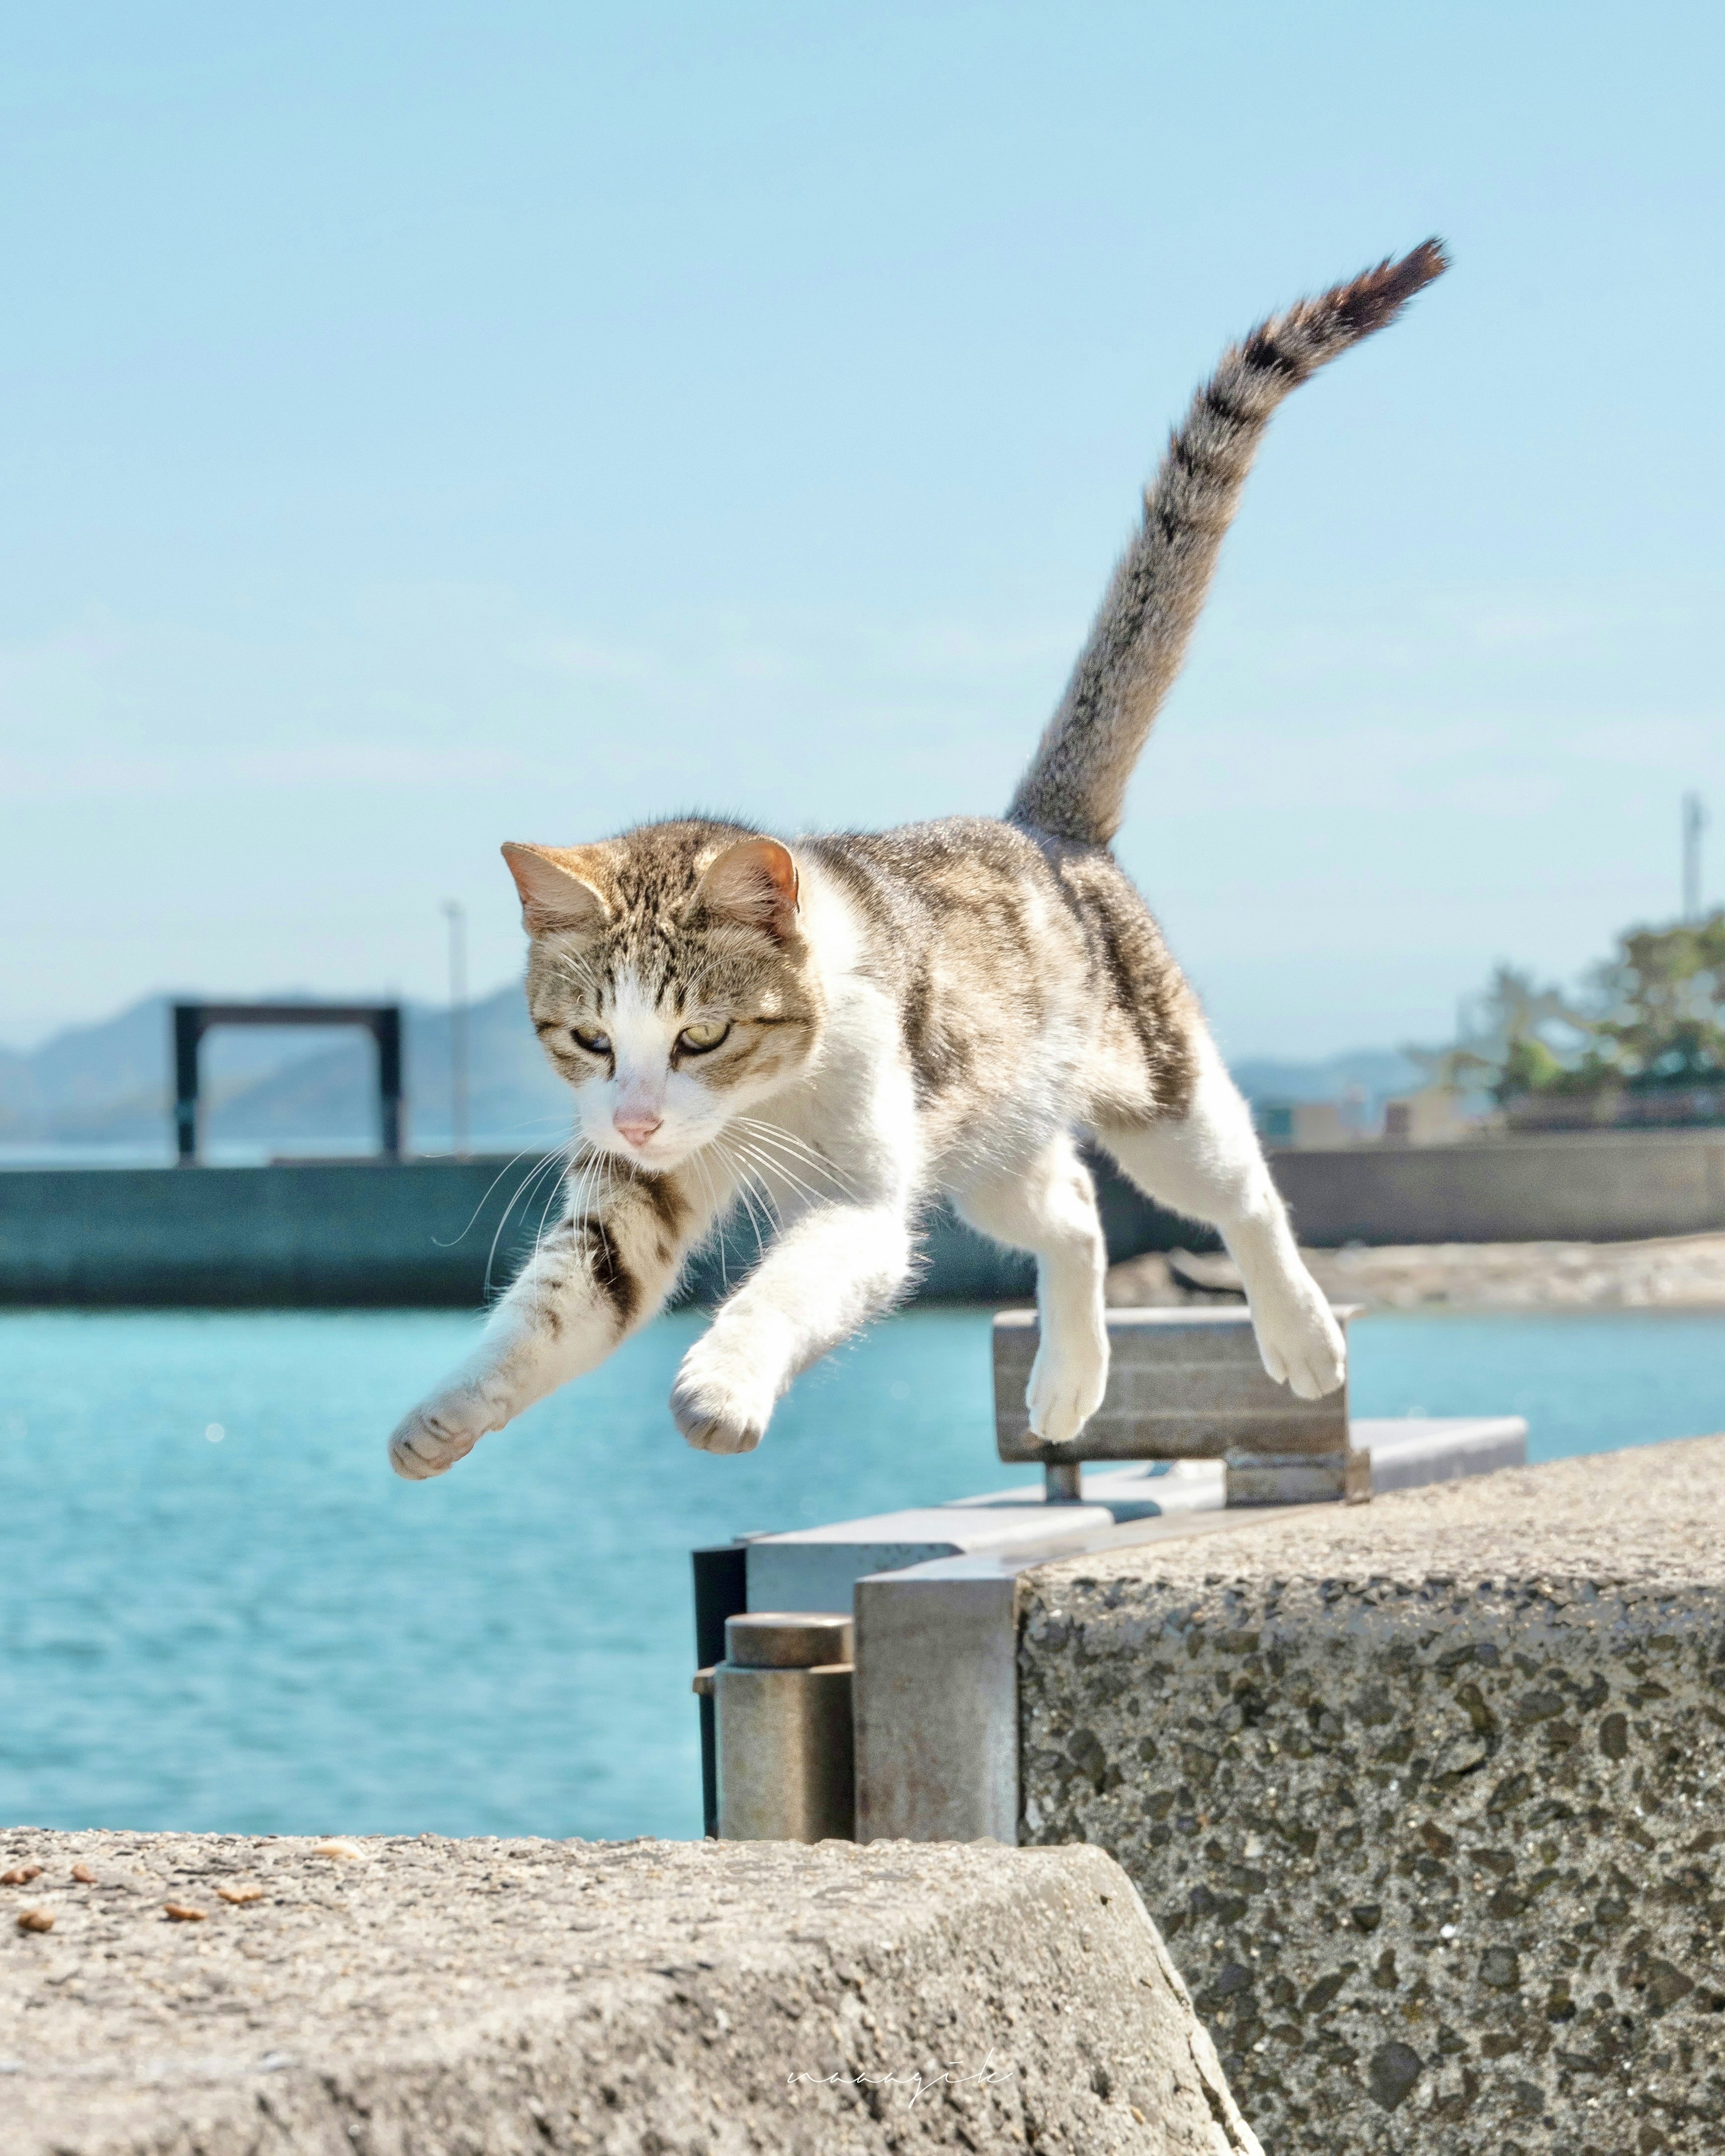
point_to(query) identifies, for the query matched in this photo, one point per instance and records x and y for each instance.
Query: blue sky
(427, 426)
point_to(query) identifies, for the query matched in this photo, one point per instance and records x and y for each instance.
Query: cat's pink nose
(637, 1128)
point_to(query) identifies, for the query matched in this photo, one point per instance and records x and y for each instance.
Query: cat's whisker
(772, 1138)
(787, 1171)
(480, 1207)
(521, 1189)
(753, 1192)
(753, 1197)
(717, 1211)
(758, 1126)
(551, 1196)
(762, 1167)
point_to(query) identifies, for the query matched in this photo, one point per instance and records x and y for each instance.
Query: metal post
(1063, 1482)
(782, 1701)
(721, 1590)
(458, 1026)
(386, 1026)
(1694, 822)
(187, 1033)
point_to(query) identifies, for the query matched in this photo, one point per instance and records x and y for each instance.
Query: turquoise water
(218, 1610)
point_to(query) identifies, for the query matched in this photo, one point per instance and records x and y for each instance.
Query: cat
(844, 1028)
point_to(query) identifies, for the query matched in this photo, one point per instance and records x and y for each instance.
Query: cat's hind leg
(1047, 1204)
(603, 1272)
(1208, 1164)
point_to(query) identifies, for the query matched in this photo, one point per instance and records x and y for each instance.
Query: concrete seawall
(494, 1998)
(1590, 1187)
(420, 1234)
(369, 1233)
(1426, 1798)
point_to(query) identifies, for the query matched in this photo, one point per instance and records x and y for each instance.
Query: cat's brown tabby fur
(846, 1028)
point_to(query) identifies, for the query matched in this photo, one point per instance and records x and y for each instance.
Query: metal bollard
(781, 1701)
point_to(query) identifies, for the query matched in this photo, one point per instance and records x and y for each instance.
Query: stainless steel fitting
(782, 1700)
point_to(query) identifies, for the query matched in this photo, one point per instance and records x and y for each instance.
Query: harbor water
(219, 1610)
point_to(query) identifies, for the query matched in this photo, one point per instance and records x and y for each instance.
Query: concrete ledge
(1426, 1798)
(819, 1567)
(427, 1996)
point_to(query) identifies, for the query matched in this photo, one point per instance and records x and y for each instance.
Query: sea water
(218, 1608)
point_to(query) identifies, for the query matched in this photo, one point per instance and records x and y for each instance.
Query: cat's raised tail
(1075, 786)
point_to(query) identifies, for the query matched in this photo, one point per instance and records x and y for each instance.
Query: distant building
(1303, 1123)
(1434, 1116)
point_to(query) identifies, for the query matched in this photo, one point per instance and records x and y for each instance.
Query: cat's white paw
(436, 1435)
(719, 1402)
(1300, 1344)
(1068, 1379)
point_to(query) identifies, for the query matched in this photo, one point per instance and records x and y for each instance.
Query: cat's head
(670, 980)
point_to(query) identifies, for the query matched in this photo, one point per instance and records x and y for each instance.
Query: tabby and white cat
(851, 1027)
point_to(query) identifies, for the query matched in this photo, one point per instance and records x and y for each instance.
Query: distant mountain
(110, 1084)
(513, 1095)
(1374, 1075)
(113, 1078)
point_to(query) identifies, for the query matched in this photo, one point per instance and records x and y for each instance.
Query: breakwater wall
(1423, 1796)
(349, 1234)
(381, 1234)
(429, 1234)
(1559, 1187)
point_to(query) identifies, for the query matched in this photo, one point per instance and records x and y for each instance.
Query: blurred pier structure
(191, 1021)
(430, 1232)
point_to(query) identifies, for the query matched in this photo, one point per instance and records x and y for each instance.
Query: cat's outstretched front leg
(836, 1268)
(605, 1270)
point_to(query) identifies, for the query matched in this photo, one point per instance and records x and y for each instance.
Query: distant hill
(110, 1084)
(513, 1096)
(1373, 1075)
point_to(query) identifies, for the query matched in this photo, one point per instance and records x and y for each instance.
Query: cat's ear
(556, 887)
(754, 881)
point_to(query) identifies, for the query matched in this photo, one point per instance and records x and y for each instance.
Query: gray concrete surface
(1427, 1799)
(647, 1998)
(817, 1567)
(936, 1687)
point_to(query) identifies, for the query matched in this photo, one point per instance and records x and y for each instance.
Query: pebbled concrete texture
(645, 1999)
(1428, 1798)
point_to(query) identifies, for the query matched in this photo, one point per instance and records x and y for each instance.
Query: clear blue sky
(427, 425)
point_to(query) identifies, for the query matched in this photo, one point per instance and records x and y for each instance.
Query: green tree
(1662, 1016)
(1654, 1016)
(1504, 1045)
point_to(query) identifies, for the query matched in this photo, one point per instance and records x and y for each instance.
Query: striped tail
(1075, 786)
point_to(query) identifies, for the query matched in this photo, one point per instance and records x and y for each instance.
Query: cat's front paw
(718, 1402)
(435, 1435)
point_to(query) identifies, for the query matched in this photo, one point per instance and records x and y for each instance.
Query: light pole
(1694, 822)
(457, 915)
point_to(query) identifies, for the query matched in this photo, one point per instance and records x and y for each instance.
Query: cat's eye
(706, 1034)
(595, 1044)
